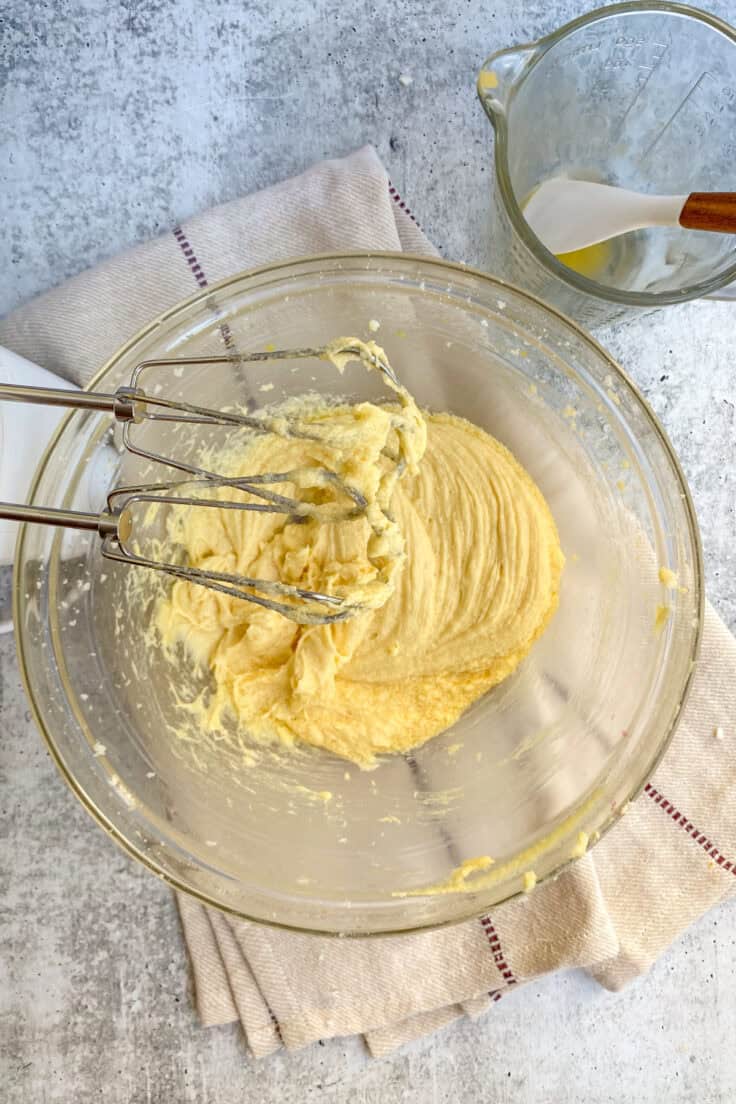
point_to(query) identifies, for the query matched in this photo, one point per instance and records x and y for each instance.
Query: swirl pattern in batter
(478, 582)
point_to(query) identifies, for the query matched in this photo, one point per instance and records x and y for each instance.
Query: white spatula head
(571, 214)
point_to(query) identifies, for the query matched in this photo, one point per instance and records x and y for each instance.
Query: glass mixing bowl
(557, 749)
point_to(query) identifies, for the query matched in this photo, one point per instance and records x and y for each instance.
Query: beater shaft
(104, 524)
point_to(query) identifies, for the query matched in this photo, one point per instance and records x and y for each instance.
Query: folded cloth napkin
(665, 863)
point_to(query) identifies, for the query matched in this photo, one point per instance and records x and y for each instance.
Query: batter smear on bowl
(457, 561)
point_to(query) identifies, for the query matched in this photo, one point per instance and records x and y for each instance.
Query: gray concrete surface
(117, 119)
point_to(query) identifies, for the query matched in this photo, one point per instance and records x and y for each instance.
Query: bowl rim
(335, 259)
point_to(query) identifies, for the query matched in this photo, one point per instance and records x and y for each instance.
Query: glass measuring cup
(640, 95)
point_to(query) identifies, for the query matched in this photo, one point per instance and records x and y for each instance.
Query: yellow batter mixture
(462, 571)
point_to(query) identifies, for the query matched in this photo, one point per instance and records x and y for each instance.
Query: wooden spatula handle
(710, 211)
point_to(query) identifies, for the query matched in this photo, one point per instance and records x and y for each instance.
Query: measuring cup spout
(499, 74)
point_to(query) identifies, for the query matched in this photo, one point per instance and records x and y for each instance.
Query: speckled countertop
(119, 117)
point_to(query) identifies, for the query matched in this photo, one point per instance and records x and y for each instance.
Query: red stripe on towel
(498, 956)
(695, 834)
(198, 273)
(194, 265)
(398, 200)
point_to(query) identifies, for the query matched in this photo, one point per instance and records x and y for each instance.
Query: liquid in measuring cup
(607, 262)
(651, 259)
(643, 260)
(612, 262)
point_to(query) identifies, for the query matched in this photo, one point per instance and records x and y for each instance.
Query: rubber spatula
(571, 214)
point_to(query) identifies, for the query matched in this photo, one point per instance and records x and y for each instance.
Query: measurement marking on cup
(652, 69)
(675, 113)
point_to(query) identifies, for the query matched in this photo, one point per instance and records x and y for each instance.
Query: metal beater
(131, 405)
